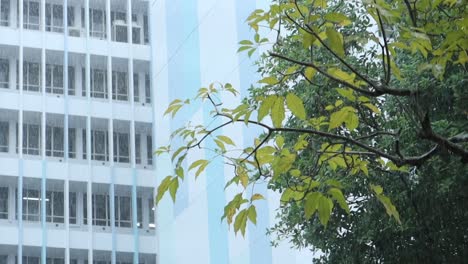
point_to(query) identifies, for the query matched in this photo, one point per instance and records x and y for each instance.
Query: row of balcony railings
(54, 83)
(32, 255)
(54, 19)
(77, 143)
(78, 204)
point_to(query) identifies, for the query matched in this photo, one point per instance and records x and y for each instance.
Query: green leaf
(372, 107)
(174, 185)
(246, 42)
(310, 73)
(241, 222)
(335, 41)
(270, 80)
(265, 107)
(337, 18)
(256, 197)
(325, 207)
(242, 48)
(252, 214)
(226, 140)
(277, 112)
(311, 204)
(338, 196)
(201, 164)
(197, 163)
(279, 140)
(180, 172)
(177, 152)
(162, 188)
(296, 106)
(320, 3)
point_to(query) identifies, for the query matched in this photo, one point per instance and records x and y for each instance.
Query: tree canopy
(362, 108)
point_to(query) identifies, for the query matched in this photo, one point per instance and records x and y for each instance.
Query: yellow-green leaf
(256, 197)
(277, 112)
(252, 214)
(311, 204)
(338, 196)
(296, 105)
(226, 140)
(271, 80)
(325, 208)
(335, 41)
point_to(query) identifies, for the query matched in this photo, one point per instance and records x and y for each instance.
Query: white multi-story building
(76, 132)
(83, 90)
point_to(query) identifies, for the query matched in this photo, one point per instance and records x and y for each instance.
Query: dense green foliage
(362, 104)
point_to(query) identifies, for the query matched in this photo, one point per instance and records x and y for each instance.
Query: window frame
(28, 75)
(28, 15)
(27, 139)
(4, 136)
(4, 73)
(117, 140)
(51, 24)
(52, 216)
(120, 91)
(4, 201)
(51, 149)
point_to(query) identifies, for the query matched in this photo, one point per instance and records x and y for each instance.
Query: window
(71, 80)
(151, 209)
(5, 13)
(72, 143)
(31, 136)
(83, 82)
(54, 79)
(31, 15)
(54, 141)
(97, 23)
(3, 202)
(31, 76)
(99, 145)
(101, 210)
(119, 26)
(55, 261)
(147, 88)
(71, 16)
(31, 205)
(4, 73)
(4, 133)
(149, 144)
(146, 29)
(121, 147)
(137, 148)
(72, 207)
(139, 213)
(136, 88)
(98, 83)
(123, 211)
(54, 207)
(136, 34)
(119, 86)
(54, 18)
(3, 259)
(83, 142)
(31, 260)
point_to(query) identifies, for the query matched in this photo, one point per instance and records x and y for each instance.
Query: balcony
(76, 18)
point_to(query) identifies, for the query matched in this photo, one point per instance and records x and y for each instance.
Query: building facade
(77, 132)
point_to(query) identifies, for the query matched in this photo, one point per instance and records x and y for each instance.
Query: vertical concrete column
(88, 138)
(66, 134)
(42, 134)
(20, 137)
